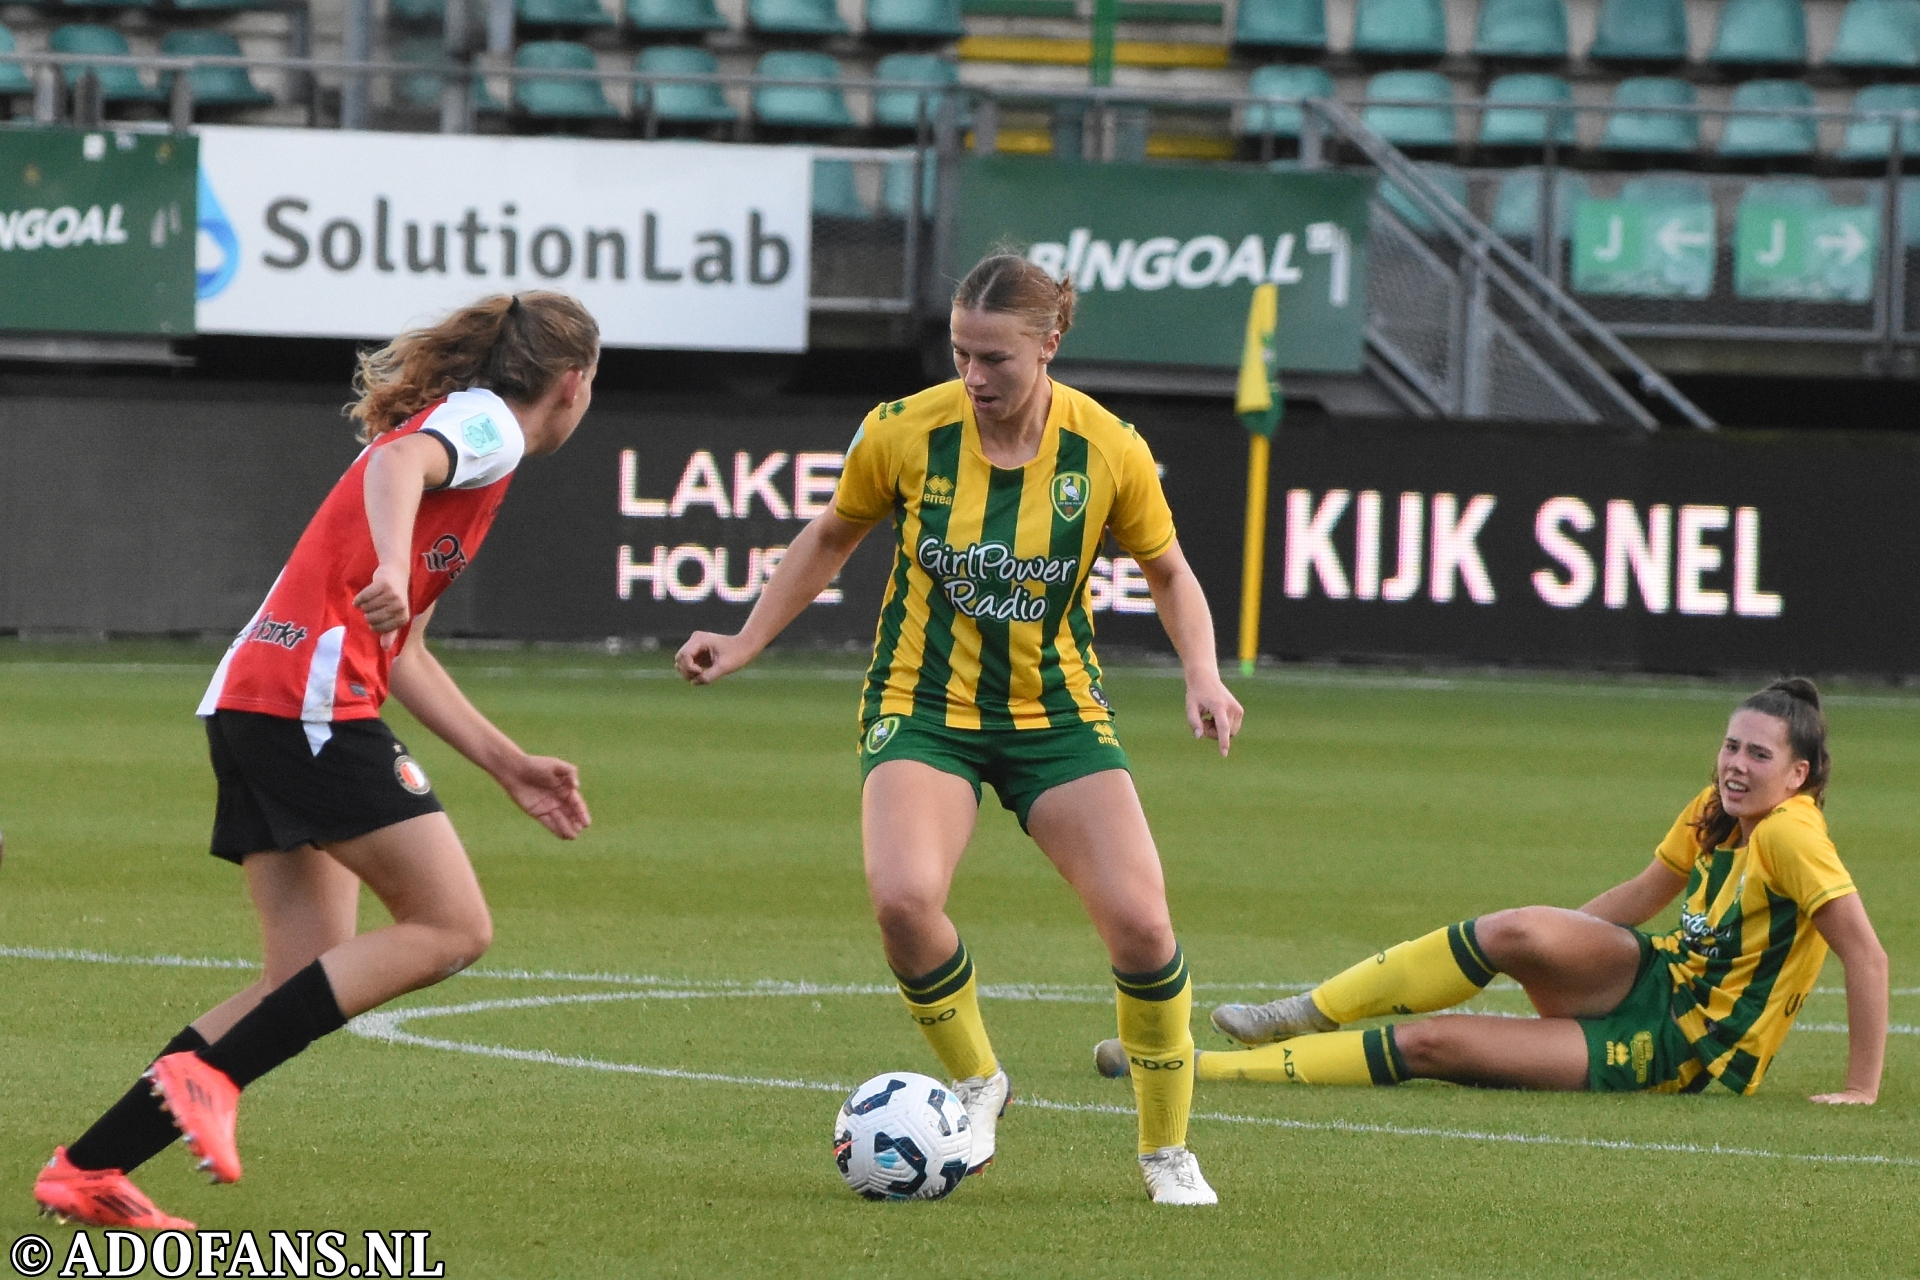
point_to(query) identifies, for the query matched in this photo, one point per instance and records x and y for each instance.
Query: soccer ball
(902, 1136)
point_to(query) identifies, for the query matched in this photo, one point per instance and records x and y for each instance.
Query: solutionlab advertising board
(359, 235)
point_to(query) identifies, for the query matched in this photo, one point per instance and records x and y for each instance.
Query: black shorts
(276, 792)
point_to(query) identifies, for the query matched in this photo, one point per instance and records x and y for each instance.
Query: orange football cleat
(203, 1102)
(97, 1197)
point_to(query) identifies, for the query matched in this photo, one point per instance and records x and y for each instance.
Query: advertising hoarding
(359, 235)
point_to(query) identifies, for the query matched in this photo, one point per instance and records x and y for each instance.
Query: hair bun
(1799, 688)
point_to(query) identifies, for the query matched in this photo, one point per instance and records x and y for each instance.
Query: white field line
(389, 1026)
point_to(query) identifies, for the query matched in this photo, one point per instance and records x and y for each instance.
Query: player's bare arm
(396, 477)
(1844, 924)
(809, 565)
(548, 789)
(1636, 901)
(1212, 711)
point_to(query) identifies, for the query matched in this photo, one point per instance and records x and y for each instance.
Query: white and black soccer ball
(902, 1136)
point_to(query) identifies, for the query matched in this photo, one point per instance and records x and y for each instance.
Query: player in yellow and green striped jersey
(1763, 896)
(1001, 486)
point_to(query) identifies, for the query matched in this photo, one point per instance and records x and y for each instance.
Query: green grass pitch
(1357, 810)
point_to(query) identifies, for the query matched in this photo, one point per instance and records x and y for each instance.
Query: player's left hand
(1846, 1098)
(1213, 712)
(549, 791)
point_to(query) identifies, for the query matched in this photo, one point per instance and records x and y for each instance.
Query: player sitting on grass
(1620, 1010)
(316, 796)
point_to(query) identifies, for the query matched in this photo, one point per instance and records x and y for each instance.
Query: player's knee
(1425, 1046)
(1141, 944)
(466, 940)
(905, 910)
(1515, 934)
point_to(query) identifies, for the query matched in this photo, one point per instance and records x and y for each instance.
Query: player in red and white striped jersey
(316, 796)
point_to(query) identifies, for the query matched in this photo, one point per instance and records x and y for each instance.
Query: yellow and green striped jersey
(1746, 953)
(985, 623)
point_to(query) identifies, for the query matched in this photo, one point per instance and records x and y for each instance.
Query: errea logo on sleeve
(481, 435)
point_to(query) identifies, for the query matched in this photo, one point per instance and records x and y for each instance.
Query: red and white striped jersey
(308, 654)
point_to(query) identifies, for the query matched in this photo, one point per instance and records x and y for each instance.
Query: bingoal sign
(360, 235)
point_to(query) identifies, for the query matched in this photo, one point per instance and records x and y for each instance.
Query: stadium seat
(819, 106)
(579, 15)
(1666, 189)
(416, 13)
(836, 193)
(896, 187)
(1777, 136)
(1878, 33)
(101, 4)
(1527, 126)
(915, 19)
(559, 99)
(1412, 212)
(1642, 31)
(900, 108)
(1411, 108)
(1281, 24)
(1788, 194)
(422, 90)
(213, 86)
(803, 17)
(682, 103)
(1521, 29)
(1761, 33)
(1516, 205)
(204, 6)
(1402, 27)
(13, 76)
(1282, 87)
(1651, 130)
(1909, 212)
(1873, 139)
(673, 17)
(117, 83)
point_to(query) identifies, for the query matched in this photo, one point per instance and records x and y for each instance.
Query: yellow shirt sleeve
(867, 478)
(1799, 857)
(1681, 848)
(1141, 521)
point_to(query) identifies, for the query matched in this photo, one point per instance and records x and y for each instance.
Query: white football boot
(985, 1098)
(1173, 1177)
(1281, 1019)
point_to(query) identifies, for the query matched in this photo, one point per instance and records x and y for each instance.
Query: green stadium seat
(217, 6)
(102, 4)
(1775, 136)
(1412, 109)
(900, 108)
(817, 106)
(915, 19)
(1873, 139)
(13, 76)
(117, 84)
(1527, 126)
(896, 187)
(1878, 33)
(1402, 27)
(559, 99)
(1516, 205)
(1281, 24)
(836, 193)
(574, 14)
(1666, 189)
(1281, 87)
(674, 17)
(213, 86)
(422, 91)
(802, 17)
(416, 13)
(1642, 31)
(1788, 193)
(1651, 130)
(1412, 212)
(1761, 33)
(682, 103)
(1521, 29)
(1910, 212)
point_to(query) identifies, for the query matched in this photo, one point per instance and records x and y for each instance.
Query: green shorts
(1638, 1046)
(1020, 763)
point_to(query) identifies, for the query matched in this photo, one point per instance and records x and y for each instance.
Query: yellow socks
(1156, 1010)
(1337, 1057)
(1443, 969)
(946, 1004)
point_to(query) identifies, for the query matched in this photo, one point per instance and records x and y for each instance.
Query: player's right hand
(705, 657)
(384, 600)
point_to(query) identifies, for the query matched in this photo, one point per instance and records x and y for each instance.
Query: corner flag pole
(1258, 402)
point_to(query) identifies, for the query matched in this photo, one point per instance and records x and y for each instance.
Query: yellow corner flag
(1258, 402)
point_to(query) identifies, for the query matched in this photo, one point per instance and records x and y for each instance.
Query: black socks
(293, 1015)
(135, 1129)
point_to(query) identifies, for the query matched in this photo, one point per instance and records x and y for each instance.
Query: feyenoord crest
(1070, 494)
(411, 775)
(882, 733)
